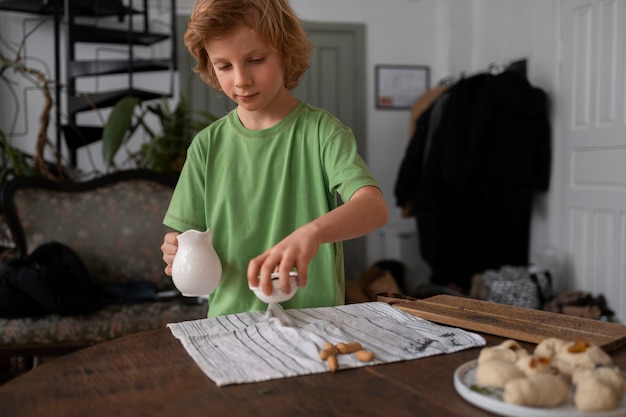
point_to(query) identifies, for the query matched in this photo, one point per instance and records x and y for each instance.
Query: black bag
(52, 279)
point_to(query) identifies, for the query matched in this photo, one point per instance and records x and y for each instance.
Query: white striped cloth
(277, 343)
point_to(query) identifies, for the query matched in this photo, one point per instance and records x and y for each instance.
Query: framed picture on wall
(398, 86)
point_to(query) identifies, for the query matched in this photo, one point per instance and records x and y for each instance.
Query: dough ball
(613, 377)
(537, 390)
(532, 364)
(509, 350)
(497, 372)
(549, 347)
(610, 375)
(574, 356)
(582, 374)
(510, 344)
(594, 395)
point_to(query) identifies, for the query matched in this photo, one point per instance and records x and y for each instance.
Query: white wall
(502, 31)
(450, 36)
(20, 121)
(397, 32)
(20, 114)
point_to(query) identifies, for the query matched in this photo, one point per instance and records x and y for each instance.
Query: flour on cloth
(259, 346)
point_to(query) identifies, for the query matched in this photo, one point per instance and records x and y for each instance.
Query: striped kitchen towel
(277, 343)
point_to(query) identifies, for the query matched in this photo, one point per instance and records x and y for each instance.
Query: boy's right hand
(169, 249)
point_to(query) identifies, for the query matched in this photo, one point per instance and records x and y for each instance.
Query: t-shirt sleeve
(346, 170)
(187, 206)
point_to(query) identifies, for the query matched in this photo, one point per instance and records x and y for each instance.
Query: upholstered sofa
(114, 224)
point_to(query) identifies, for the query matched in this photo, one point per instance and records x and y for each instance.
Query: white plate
(465, 377)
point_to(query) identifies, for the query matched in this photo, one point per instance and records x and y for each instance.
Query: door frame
(357, 31)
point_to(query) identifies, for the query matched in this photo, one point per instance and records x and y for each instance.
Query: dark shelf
(77, 104)
(28, 6)
(108, 67)
(82, 8)
(97, 27)
(79, 136)
(103, 35)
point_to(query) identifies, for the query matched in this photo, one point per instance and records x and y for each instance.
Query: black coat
(471, 170)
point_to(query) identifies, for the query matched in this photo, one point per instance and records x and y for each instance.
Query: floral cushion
(116, 229)
(87, 329)
(114, 223)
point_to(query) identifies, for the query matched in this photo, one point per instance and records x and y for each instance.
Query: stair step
(46, 7)
(27, 6)
(91, 34)
(107, 67)
(77, 104)
(79, 136)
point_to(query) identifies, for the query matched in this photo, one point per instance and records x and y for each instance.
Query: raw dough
(549, 347)
(538, 390)
(509, 350)
(598, 389)
(542, 379)
(533, 364)
(594, 395)
(610, 375)
(497, 372)
(571, 359)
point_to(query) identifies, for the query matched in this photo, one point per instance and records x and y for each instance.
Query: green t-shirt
(253, 188)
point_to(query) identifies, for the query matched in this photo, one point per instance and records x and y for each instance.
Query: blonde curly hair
(273, 20)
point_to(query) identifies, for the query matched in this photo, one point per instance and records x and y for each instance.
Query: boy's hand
(169, 249)
(293, 252)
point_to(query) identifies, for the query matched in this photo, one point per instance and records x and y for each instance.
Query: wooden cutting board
(512, 322)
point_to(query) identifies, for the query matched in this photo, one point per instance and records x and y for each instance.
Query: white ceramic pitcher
(196, 269)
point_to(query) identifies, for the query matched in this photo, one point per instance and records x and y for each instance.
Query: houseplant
(164, 149)
(15, 161)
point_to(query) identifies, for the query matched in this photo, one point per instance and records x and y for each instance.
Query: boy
(264, 177)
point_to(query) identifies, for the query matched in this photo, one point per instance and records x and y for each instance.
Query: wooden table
(150, 374)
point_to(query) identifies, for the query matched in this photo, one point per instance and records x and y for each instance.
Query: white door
(592, 143)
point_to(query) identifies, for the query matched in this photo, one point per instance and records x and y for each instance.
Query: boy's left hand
(293, 252)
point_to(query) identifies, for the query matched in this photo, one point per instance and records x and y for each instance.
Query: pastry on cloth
(537, 390)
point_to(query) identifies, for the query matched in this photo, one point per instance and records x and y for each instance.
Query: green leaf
(18, 166)
(481, 390)
(116, 127)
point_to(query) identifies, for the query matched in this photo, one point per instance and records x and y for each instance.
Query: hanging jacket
(471, 187)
